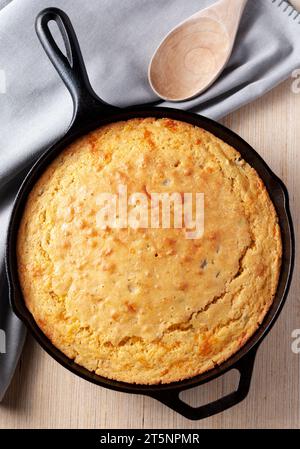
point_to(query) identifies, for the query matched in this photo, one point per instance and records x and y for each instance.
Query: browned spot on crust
(242, 339)
(131, 307)
(93, 243)
(93, 140)
(121, 176)
(183, 286)
(170, 242)
(66, 244)
(148, 138)
(106, 157)
(107, 252)
(188, 172)
(92, 233)
(260, 269)
(41, 322)
(197, 244)
(37, 271)
(170, 246)
(170, 124)
(146, 191)
(213, 236)
(185, 259)
(108, 266)
(260, 184)
(82, 224)
(143, 161)
(206, 347)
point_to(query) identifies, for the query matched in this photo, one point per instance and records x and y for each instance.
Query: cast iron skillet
(90, 112)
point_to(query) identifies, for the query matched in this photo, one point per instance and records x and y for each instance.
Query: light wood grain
(194, 53)
(296, 4)
(43, 394)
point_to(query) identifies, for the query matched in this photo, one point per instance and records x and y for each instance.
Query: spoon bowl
(193, 55)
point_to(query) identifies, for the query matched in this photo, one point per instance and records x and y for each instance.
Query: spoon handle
(230, 12)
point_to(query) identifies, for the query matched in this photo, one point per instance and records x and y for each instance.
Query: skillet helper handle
(172, 399)
(70, 67)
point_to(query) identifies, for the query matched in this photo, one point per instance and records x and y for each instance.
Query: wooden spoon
(193, 54)
(296, 4)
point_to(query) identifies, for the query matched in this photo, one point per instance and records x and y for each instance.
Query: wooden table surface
(45, 395)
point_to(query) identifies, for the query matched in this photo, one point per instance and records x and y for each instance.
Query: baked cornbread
(148, 305)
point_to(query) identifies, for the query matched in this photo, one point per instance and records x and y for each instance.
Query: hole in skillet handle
(172, 400)
(70, 67)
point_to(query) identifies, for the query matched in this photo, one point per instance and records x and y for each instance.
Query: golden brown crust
(148, 305)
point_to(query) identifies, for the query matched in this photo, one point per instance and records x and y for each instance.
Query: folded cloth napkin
(117, 41)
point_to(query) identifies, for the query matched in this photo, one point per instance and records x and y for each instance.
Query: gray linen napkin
(117, 40)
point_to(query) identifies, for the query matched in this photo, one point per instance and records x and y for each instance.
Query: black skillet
(90, 112)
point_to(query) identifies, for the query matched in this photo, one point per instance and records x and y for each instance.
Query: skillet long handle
(245, 368)
(71, 67)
